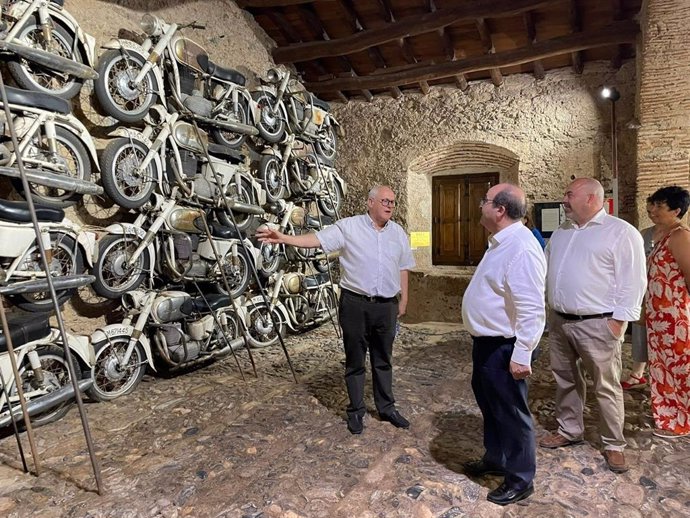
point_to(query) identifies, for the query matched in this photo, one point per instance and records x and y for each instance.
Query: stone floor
(208, 444)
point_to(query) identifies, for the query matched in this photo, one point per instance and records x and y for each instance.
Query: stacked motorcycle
(200, 161)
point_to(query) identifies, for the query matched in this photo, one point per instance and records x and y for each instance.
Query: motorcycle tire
(32, 76)
(270, 123)
(244, 221)
(73, 153)
(56, 376)
(228, 138)
(114, 277)
(271, 178)
(238, 276)
(119, 162)
(229, 331)
(330, 206)
(261, 331)
(66, 260)
(110, 379)
(327, 147)
(116, 97)
(271, 259)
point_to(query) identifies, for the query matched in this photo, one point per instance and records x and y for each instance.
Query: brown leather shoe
(616, 461)
(556, 440)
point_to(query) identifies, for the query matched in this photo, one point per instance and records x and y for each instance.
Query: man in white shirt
(595, 284)
(503, 310)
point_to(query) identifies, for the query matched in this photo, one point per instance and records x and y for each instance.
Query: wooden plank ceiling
(348, 49)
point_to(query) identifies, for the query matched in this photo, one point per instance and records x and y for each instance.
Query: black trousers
(368, 325)
(509, 438)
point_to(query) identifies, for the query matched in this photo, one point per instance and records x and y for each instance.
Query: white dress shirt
(370, 259)
(506, 294)
(597, 268)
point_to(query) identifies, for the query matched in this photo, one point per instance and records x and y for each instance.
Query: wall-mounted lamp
(610, 93)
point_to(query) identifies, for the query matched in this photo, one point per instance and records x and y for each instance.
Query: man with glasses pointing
(375, 257)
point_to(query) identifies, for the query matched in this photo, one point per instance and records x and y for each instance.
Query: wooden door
(457, 236)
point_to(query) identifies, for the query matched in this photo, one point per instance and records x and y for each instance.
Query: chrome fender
(108, 332)
(86, 41)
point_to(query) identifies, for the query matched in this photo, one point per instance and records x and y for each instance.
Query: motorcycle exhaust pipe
(51, 61)
(237, 127)
(47, 401)
(55, 180)
(245, 208)
(41, 285)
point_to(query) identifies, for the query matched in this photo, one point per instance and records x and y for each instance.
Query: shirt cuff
(626, 314)
(521, 355)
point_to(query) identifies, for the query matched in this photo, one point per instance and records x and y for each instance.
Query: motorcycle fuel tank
(167, 306)
(187, 52)
(182, 219)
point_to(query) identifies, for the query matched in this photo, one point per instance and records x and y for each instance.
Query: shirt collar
(505, 233)
(597, 219)
(371, 223)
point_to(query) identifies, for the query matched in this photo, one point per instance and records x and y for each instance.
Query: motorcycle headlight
(298, 216)
(273, 75)
(151, 25)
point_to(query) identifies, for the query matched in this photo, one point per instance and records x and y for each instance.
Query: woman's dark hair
(674, 196)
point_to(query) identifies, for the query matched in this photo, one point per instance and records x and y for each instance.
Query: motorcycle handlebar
(193, 25)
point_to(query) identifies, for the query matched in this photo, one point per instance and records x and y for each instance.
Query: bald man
(595, 284)
(503, 309)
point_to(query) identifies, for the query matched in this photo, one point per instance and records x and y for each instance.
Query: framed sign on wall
(548, 216)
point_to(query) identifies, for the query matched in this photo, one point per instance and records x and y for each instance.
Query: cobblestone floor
(208, 444)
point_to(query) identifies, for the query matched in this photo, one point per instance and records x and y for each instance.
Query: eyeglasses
(387, 203)
(486, 200)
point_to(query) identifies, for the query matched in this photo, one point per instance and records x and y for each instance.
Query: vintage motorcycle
(293, 173)
(296, 301)
(43, 370)
(171, 69)
(307, 116)
(68, 248)
(53, 143)
(49, 52)
(176, 234)
(183, 329)
(134, 165)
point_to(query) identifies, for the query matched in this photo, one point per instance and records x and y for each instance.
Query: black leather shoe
(504, 495)
(355, 423)
(396, 419)
(479, 468)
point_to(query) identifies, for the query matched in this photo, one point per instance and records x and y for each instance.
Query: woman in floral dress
(668, 313)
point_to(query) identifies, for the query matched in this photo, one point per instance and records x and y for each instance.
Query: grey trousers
(576, 347)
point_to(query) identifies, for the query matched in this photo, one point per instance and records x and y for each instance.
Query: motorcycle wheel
(230, 330)
(114, 92)
(271, 178)
(55, 376)
(331, 304)
(238, 275)
(331, 207)
(114, 276)
(327, 147)
(261, 331)
(270, 259)
(111, 379)
(270, 123)
(73, 155)
(121, 182)
(244, 195)
(66, 260)
(32, 76)
(226, 137)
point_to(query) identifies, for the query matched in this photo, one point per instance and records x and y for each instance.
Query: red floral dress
(668, 321)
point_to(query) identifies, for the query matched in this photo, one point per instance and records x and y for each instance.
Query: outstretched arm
(268, 235)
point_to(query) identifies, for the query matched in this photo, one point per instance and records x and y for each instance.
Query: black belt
(376, 299)
(568, 316)
(493, 340)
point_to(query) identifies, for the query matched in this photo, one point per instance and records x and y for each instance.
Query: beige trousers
(576, 347)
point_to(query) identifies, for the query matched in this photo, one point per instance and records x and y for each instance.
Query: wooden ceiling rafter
(617, 59)
(619, 32)
(538, 66)
(449, 49)
(576, 27)
(489, 48)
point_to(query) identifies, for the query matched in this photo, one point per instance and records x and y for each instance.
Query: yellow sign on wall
(420, 239)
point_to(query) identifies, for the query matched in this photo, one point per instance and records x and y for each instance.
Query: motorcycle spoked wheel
(112, 379)
(270, 123)
(244, 195)
(118, 98)
(327, 147)
(56, 376)
(271, 259)
(330, 302)
(114, 275)
(238, 275)
(66, 260)
(229, 138)
(261, 331)
(32, 76)
(271, 178)
(121, 181)
(331, 205)
(230, 329)
(72, 154)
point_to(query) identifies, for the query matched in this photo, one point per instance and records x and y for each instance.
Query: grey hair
(373, 192)
(514, 203)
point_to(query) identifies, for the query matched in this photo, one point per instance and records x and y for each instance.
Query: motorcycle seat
(18, 211)
(314, 281)
(198, 305)
(226, 74)
(25, 328)
(38, 100)
(313, 222)
(225, 152)
(223, 232)
(319, 102)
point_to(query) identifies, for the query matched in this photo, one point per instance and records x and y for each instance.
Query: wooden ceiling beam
(448, 48)
(619, 32)
(262, 4)
(576, 27)
(538, 66)
(405, 27)
(485, 36)
(617, 59)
